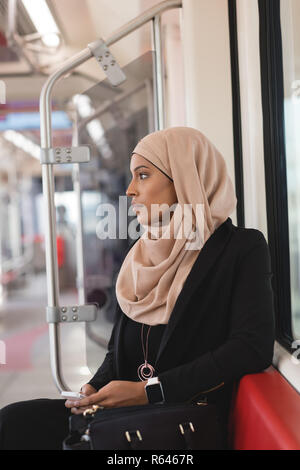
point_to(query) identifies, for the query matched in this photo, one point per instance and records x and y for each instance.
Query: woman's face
(149, 186)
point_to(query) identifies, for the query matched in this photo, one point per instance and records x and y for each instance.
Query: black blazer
(221, 327)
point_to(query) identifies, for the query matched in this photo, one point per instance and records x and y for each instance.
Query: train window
(290, 26)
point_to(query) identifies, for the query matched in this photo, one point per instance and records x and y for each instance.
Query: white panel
(251, 112)
(208, 74)
(175, 89)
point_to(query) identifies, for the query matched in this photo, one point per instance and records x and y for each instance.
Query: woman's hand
(87, 390)
(116, 393)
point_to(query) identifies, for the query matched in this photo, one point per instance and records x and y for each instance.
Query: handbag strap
(135, 437)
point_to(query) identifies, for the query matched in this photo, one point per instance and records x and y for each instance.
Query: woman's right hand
(86, 390)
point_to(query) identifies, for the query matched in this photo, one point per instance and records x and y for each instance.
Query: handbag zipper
(214, 388)
(155, 408)
(207, 391)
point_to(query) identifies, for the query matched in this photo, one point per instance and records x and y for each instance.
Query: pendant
(145, 371)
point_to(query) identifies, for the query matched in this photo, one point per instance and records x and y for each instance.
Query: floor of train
(26, 373)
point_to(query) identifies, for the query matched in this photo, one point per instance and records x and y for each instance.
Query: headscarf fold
(154, 270)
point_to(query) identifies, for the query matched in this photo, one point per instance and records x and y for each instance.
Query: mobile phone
(72, 395)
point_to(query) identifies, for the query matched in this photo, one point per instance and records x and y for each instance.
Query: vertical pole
(11, 21)
(14, 214)
(79, 228)
(50, 214)
(158, 79)
(150, 104)
(50, 242)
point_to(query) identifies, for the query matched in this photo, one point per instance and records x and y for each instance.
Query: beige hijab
(154, 270)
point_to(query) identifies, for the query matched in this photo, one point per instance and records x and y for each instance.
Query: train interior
(230, 68)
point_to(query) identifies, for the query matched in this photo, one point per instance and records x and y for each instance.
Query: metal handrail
(152, 14)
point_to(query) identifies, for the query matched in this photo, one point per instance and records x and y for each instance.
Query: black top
(132, 348)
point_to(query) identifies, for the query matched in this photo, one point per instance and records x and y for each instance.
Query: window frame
(271, 62)
(236, 113)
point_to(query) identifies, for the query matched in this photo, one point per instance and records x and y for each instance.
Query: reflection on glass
(290, 24)
(111, 121)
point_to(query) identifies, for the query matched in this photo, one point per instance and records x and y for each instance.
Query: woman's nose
(130, 190)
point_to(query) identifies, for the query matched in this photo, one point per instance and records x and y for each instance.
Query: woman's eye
(143, 174)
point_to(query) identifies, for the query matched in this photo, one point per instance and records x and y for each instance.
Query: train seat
(265, 413)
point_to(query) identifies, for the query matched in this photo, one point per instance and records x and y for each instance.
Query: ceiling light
(43, 21)
(22, 142)
(51, 40)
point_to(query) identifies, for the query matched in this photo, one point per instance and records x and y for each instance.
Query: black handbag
(146, 427)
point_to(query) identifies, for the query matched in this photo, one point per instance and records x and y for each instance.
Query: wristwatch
(154, 391)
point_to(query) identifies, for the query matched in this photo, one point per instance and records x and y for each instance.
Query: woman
(194, 292)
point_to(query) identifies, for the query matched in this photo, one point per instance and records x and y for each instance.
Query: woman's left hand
(116, 393)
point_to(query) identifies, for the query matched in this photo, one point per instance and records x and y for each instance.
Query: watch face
(154, 393)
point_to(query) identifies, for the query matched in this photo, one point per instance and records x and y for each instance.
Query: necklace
(145, 371)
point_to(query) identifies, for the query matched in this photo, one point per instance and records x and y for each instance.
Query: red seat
(265, 414)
